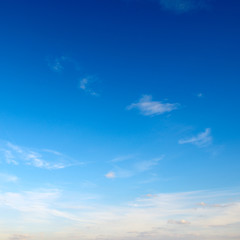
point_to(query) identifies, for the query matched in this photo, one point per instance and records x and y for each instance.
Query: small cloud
(182, 6)
(8, 178)
(148, 107)
(201, 140)
(180, 222)
(110, 175)
(200, 95)
(84, 84)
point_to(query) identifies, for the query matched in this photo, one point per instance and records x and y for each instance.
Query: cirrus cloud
(201, 140)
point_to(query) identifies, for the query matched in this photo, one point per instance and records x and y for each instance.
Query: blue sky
(119, 119)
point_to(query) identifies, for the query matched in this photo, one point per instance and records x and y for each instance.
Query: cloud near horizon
(156, 216)
(148, 107)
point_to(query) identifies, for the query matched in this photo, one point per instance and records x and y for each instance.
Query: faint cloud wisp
(84, 84)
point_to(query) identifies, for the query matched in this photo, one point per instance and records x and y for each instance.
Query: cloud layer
(165, 216)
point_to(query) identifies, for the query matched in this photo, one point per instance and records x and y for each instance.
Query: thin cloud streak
(201, 140)
(148, 107)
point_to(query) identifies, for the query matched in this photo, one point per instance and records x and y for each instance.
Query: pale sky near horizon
(119, 119)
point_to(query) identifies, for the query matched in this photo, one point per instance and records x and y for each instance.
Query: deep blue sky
(128, 97)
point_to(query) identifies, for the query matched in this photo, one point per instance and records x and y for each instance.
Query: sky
(119, 119)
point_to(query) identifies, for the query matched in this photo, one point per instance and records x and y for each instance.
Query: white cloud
(201, 140)
(182, 6)
(8, 178)
(110, 175)
(152, 108)
(48, 159)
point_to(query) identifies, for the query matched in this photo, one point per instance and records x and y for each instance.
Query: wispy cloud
(183, 6)
(201, 140)
(61, 64)
(48, 159)
(57, 64)
(148, 107)
(85, 83)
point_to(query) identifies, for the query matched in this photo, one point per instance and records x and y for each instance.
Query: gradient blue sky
(119, 119)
